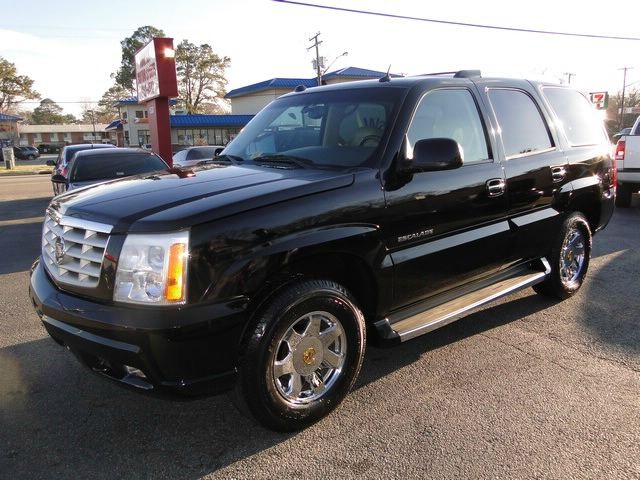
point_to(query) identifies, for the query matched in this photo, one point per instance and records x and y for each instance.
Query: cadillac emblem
(59, 250)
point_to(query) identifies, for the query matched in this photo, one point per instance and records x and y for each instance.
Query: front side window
(576, 115)
(450, 113)
(339, 128)
(524, 131)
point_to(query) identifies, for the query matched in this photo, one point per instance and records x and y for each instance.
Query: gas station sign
(600, 100)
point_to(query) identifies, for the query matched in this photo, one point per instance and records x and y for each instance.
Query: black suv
(383, 208)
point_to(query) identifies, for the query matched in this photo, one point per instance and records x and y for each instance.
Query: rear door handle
(558, 174)
(495, 187)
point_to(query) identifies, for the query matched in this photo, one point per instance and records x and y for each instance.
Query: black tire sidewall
(258, 388)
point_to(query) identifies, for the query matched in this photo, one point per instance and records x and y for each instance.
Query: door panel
(535, 167)
(445, 230)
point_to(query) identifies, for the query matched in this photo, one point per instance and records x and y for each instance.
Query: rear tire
(303, 355)
(569, 259)
(623, 196)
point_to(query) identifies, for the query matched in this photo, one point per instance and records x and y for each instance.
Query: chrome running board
(440, 315)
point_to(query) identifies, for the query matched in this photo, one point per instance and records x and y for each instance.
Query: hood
(173, 201)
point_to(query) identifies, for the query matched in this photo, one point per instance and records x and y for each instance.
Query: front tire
(303, 355)
(569, 259)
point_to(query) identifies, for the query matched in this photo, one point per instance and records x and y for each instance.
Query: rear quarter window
(577, 117)
(522, 127)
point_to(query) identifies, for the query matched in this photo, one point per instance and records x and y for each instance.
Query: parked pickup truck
(381, 209)
(627, 157)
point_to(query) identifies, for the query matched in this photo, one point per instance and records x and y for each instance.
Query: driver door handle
(495, 187)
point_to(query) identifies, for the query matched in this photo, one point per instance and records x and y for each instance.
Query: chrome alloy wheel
(309, 357)
(572, 257)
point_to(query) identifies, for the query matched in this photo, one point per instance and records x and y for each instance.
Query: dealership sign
(156, 70)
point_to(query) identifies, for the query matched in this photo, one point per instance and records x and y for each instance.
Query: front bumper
(190, 350)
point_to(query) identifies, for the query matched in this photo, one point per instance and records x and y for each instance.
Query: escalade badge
(59, 250)
(416, 235)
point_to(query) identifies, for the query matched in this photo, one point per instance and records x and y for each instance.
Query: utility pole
(624, 84)
(93, 122)
(316, 44)
(569, 75)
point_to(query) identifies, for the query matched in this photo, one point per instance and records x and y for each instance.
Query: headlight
(152, 269)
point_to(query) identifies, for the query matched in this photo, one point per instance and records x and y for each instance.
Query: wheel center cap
(309, 356)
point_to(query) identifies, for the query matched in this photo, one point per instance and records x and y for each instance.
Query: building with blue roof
(9, 129)
(253, 98)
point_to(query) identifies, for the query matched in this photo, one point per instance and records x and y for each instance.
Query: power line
(69, 101)
(459, 24)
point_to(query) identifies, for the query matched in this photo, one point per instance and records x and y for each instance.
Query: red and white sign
(156, 70)
(147, 73)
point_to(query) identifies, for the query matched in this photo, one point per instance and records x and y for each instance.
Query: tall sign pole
(156, 82)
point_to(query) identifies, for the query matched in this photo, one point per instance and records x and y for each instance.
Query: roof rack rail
(467, 74)
(457, 74)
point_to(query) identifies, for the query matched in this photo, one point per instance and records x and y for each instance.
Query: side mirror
(217, 151)
(51, 163)
(433, 154)
(57, 178)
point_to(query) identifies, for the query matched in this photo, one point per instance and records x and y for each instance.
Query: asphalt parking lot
(525, 388)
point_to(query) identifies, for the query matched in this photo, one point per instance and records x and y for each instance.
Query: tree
(107, 110)
(201, 77)
(631, 99)
(126, 74)
(14, 88)
(50, 113)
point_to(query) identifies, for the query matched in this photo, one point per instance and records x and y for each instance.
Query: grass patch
(22, 169)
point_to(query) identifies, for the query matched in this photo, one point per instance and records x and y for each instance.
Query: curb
(18, 174)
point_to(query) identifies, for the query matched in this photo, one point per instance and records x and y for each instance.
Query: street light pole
(343, 54)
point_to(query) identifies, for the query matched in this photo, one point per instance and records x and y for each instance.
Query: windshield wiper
(224, 159)
(284, 159)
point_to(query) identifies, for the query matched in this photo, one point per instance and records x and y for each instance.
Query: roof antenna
(386, 77)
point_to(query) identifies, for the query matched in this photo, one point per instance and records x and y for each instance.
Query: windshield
(340, 128)
(104, 167)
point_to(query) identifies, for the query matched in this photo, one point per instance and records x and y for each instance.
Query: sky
(71, 47)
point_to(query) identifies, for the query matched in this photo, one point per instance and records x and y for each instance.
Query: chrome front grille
(73, 249)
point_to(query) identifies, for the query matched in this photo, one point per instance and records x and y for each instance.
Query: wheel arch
(587, 203)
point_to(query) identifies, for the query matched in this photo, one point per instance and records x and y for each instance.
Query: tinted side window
(450, 114)
(200, 153)
(577, 116)
(523, 128)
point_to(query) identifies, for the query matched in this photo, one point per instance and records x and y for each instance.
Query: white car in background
(191, 156)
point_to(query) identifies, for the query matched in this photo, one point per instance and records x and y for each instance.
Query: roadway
(525, 388)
